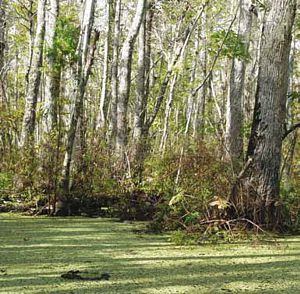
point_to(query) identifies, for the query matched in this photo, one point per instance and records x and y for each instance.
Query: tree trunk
(52, 82)
(287, 170)
(105, 73)
(169, 105)
(114, 75)
(30, 15)
(265, 144)
(178, 54)
(2, 48)
(139, 145)
(199, 113)
(124, 79)
(2, 29)
(140, 101)
(83, 71)
(29, 118)
(234, 114)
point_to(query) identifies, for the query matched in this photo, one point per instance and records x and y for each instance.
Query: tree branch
(178, 54)
(195, 91)
(290, 130)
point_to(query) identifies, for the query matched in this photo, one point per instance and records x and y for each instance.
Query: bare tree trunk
(288, 164)
(234, 114)
(3, 102)
(2, 49)
(178, 54)
(168, 110)
(265, 144)
(139, 111)
(179, 51)
(192, 105)
(114, 75)
(31, 14)
(52, 83)
(142, 93)
(286, 171)
(2, 30)
(199, 113)
(83, 71)
(29, 118)
(124, 79)
(105, 73)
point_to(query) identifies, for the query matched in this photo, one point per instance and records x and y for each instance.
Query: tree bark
(169, 105)
(139, 145)
(2, 30)
(124, 79)
(2, 49)
(265, 144)
(114, 75)
(140, 101)
(30, 14)
(52, 82)
(29, 118)
(200, 104)
(83, 71)
(234, 114)
(179, 51)
(105, 73)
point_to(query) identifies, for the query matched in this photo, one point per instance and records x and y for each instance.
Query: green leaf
(177, 198)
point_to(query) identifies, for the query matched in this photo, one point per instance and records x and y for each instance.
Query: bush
(201, 191)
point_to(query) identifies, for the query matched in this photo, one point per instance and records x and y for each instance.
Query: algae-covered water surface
(36, 251)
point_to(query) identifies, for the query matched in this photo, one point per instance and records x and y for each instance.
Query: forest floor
(36, 251)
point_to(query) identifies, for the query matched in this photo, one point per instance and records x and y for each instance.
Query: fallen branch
(227, 222)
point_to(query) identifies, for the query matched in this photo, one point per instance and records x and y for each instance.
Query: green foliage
(19, 35)
(93, 172)
(291, 203)
(233, 45)
(5, 182)
(10, 119)
(214, 234)
(294, 96)
(177, 199)
(65, 43)
(191, 217)
(182, 238)
(203, 180)
(97, 181)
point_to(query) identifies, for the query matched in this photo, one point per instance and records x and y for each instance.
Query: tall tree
(30, 14)
(169, 105)
(139, 111)
(84, 64)
(2, 29)
(142, 88)
(34, 78)
(265, 144)
(53, 70)
(177, 56)
(2, 48)
(200, 103)
(234, 114)
(125, 76)
(114, 74)
(105, 72)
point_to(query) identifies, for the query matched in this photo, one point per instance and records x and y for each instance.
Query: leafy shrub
(202, 184)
